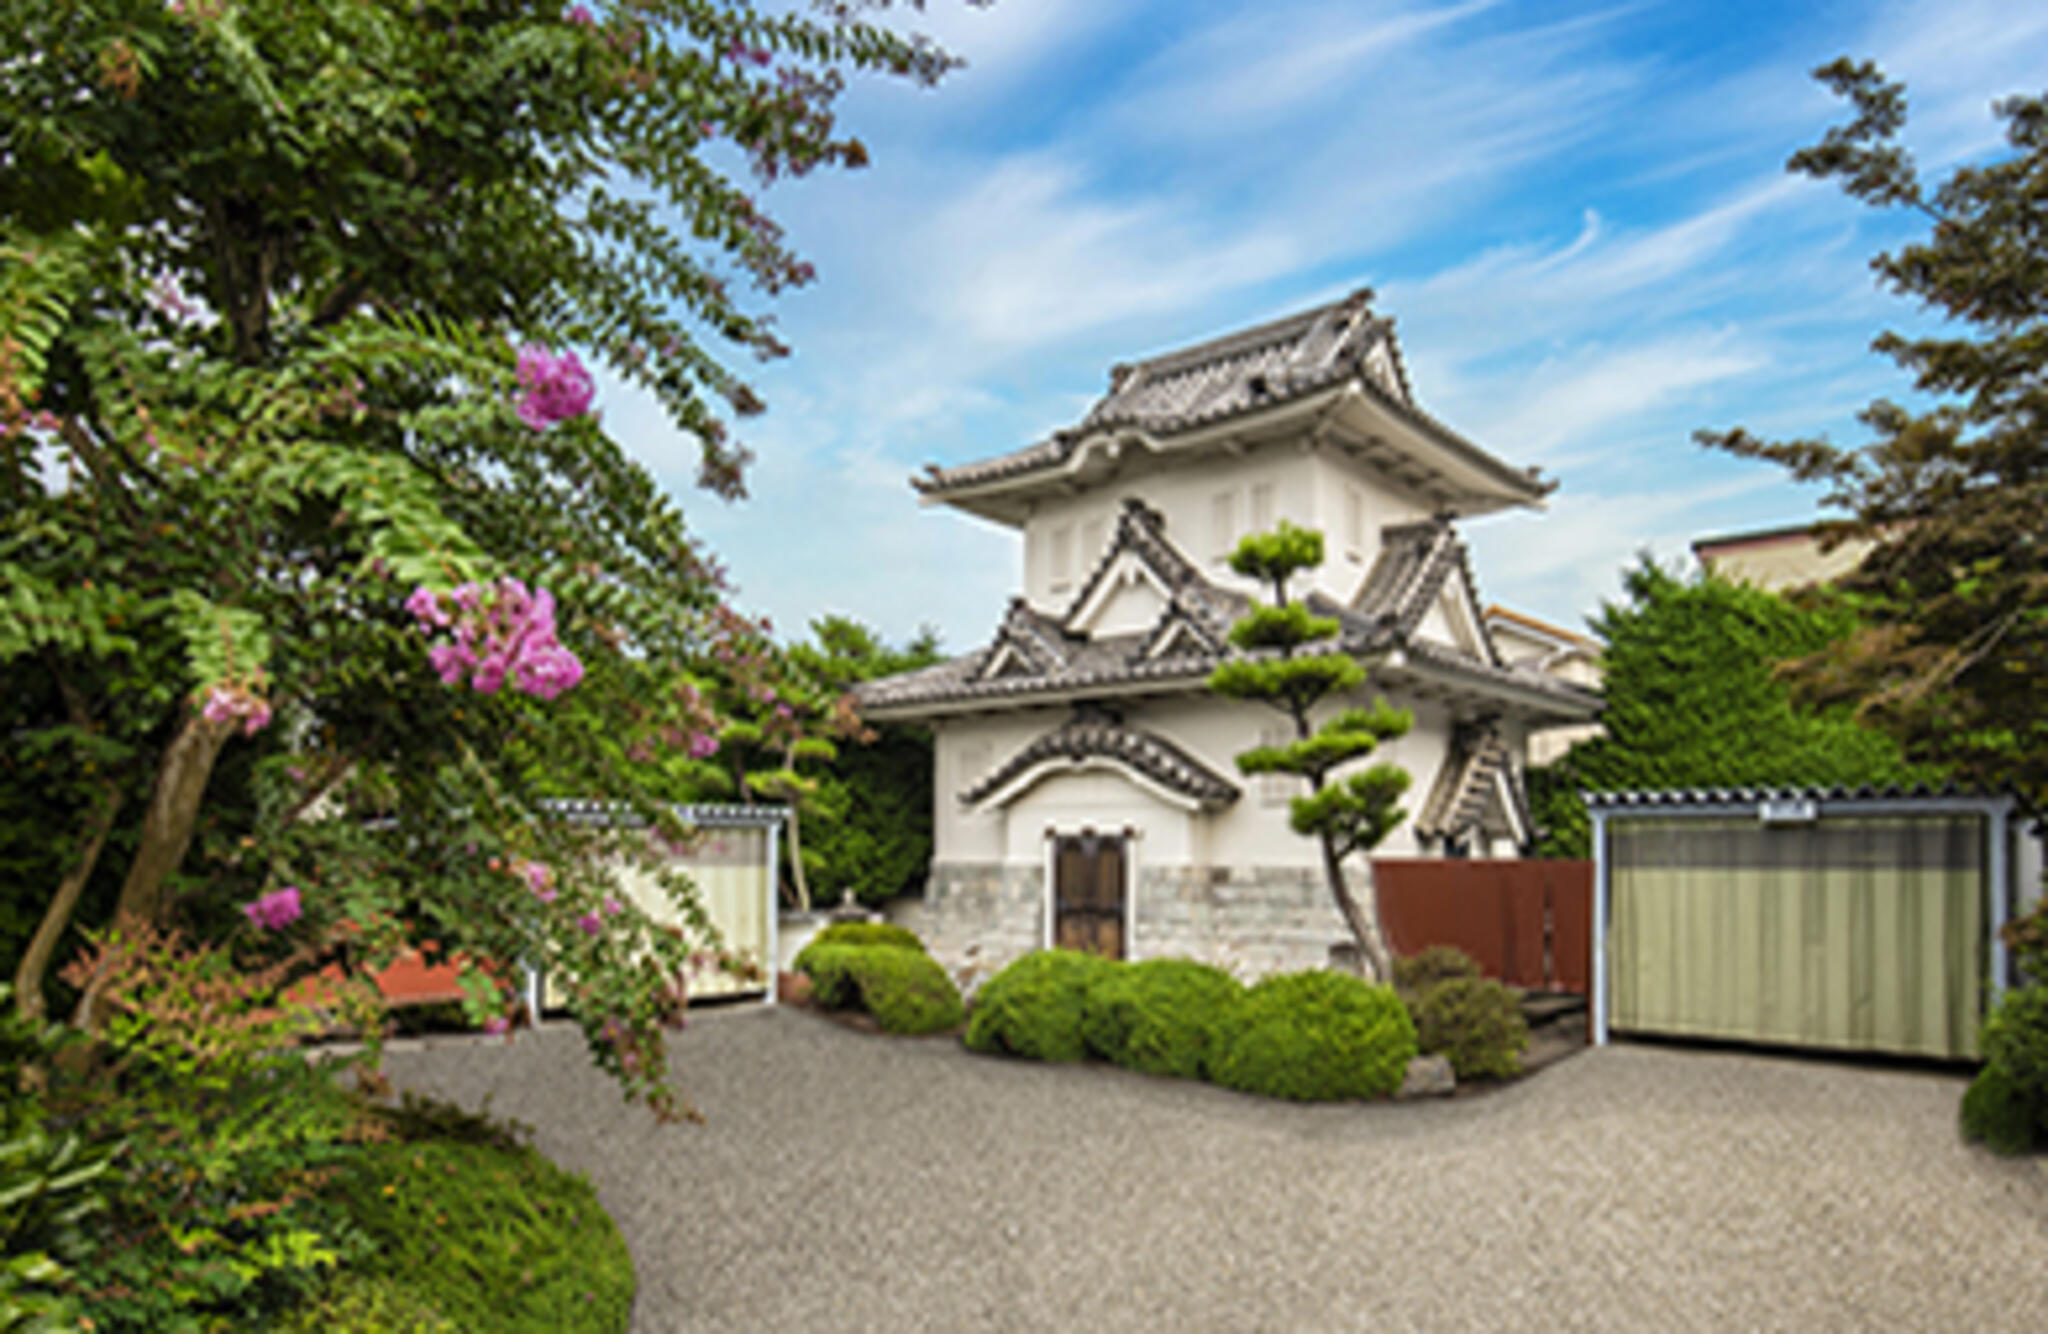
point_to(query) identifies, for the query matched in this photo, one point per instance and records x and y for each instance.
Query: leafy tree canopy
(318, 571)
(1692, 702)
(1951, 652)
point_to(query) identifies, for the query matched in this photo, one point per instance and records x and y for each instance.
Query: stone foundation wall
(976, 917)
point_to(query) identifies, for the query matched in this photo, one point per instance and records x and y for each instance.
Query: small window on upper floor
(1354, 524)
(1262, 507)
(1093, 538)
(1060, 558)
(1223, 524)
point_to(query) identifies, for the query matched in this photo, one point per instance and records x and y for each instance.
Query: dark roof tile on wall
(1095, 735)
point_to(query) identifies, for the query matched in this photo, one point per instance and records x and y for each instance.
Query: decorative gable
(1477, 790)
(1421, 584)
(1127, 597)
(1026, 645)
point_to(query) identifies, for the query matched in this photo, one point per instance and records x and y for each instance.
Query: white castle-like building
(1085, 790)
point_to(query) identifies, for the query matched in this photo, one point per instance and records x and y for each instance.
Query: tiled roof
(1059, 661)
(1466, 783)
(1414, 560)
(1095, 734)
(1241, 372)
(1747, 796)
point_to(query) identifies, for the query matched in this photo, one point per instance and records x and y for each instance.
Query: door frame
(1131, 835)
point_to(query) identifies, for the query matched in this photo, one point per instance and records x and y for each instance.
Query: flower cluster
(500, 631)
(274, 911)
(539, 878)
(226, 703)
(557, 387)
(581, 16)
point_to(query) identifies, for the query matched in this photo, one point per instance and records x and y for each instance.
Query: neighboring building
(1085, 789)
(1524, 641)
(1778, 558)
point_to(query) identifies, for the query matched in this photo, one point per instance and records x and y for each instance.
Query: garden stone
(1429, 1077)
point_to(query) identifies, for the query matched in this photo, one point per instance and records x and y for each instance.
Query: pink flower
(225, 704)
(581, 16)
(612, 907)
(256, 717)
(220, 706)
(539, 878)
(590, 923)
(274, 911)
(425, 606)
(497, 1024)
(557, 387)
(703, 746)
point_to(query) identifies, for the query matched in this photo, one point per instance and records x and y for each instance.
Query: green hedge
(858, 933)
(904, 989)
(1317, 1036)
(1160, 1016)
(1037, 1005)
(483, 1236)
(1422, 970)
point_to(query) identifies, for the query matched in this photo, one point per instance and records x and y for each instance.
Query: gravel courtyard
(849, 1182)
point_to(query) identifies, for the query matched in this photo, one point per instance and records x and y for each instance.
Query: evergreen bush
(904, 989)
(363, 1304)
(486, 1237)
(2016, 1040)
(2002, 1114)
(1475, 1021)
(1420, 971)
(1317, 1036)
(858, 933)
(1037, 1005)
(1160, 1016)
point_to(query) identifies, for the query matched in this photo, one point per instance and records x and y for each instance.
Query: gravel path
(849, 1182)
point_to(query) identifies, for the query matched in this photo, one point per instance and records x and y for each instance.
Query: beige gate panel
(1855, 933)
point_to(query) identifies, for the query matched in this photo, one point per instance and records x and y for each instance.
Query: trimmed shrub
(1160, 1016)
(1317, 1036)
(2000, 1113)
(1036, 1006)
(1422, 970)
(2016, 1039)
(905, 990)
(858, 933)
(1475, 1021)
(487, 1237)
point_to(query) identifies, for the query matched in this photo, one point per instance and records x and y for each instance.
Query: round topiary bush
(1160, 1016)
(488, 1237)
(1035, 1007)
(354, 1301)
(905, 990)
(858, 933)
(1476, 1022)
(1422, 970)
(2002, 1114)
(1315, 1037)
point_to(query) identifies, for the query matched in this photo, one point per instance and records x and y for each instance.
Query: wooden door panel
(1088, 894)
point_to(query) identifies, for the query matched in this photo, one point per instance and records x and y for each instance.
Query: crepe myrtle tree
(319, 573)
(1284, 667)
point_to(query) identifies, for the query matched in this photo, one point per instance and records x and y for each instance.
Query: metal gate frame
(1801, 806)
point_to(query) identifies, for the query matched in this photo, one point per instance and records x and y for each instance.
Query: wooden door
(1088, 894)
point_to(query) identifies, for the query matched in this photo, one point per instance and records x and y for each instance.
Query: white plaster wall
(1348, 557)
(963, 750)
(1100, 799)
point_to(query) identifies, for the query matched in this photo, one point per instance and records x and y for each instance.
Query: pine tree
(1285, 669)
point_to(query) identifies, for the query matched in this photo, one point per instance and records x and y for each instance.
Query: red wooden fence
(1528, 923)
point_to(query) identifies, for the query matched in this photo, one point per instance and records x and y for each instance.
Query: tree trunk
(35, 961)
(1362, 918)
(181, 780)
(796, 861)
(173, 810)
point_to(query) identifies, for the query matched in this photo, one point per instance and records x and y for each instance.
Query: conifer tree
(1287, 667)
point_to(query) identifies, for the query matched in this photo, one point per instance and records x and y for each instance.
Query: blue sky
(1578, 215)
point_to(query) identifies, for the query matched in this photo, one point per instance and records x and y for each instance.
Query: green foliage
(1037, 1005)
(487, 1237)
(1317, 1036)
(860, 933)
(872, 830)
(2015, 1039)
(1278, 556)
(904, 989)
(1476, 1021)
(1692, 701)
(1415, 973)
(1160, 1016)
(1954, 596)
(1286, 625)
(2027, 937)
(264, 271)
(1288, 683)
(228, 1132)
(367, 1304)
(2007, 1118)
